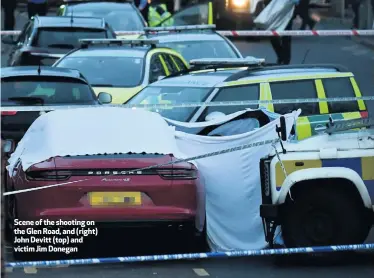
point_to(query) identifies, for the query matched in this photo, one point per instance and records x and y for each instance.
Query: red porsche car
(100, 182)
(105, 192)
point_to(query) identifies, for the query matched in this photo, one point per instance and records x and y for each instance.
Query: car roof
(100, 5)
(45, 71)
(69, 2)
(296, 72)
(112, 51)
(65, 22)
(181, 37)
(211, 78)
(197, 79)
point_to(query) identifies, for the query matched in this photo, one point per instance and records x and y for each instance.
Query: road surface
(360, 60)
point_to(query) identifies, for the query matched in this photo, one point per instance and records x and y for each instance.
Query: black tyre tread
(350, 216)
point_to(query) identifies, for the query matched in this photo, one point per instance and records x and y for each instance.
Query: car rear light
(8, 113)
(48, 175)
(364, 114)
(178, 174)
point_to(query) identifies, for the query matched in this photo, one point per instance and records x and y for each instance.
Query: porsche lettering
(124, 172)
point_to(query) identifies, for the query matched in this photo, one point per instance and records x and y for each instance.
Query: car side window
(194, 15)
(294, 90)
(156, 68)
(169, 63)
(340, 87)
(179, 62)
(237, 93)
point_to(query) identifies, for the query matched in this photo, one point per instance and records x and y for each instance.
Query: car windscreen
(122, 17)
(202, 49)
(107, 71)
(66, 37)
(172, 95)
(33, 90)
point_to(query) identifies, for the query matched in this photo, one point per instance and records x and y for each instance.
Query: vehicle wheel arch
(339, 177)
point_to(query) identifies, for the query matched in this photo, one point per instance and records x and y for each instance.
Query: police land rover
(320, 191)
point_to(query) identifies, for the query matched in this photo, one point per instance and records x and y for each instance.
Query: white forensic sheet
(232, 180)
(89, 131)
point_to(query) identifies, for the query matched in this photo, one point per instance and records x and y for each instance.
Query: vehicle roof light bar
(235, 62)
(141, 42)
(338, 126)
(82, 1)
(179, 28)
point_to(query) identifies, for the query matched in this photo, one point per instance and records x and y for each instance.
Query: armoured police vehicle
(320, 190)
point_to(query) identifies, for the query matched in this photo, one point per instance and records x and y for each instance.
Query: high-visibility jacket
(159, 13)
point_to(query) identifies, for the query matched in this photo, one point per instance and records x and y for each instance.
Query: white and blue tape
(172, 257)
(189, 104)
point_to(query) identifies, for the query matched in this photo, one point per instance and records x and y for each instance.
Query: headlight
(240, 3)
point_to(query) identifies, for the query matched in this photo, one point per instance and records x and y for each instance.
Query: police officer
(356, 10)
(302, 9)
(37, 7)
(282, 45)
(9, 8)
(158, 12)
(143, 7)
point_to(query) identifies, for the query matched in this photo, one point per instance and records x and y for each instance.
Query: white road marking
(360, 52)
(200, 272)
(30, 270)
(9, 269)
(349, 48)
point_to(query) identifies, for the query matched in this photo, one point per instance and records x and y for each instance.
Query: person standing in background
(9, 8)
(302, 9)
(282, 45)
(143, 7)
(356, 10)
(37, 7)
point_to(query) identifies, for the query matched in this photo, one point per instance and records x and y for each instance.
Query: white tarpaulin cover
(94, 131)
(276, 15)
(232, 180)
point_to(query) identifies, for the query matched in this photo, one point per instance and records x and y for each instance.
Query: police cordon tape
(229, 150)
(187, 104)
(174, 257)
(251, 33)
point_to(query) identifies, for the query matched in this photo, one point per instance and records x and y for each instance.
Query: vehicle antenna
(39, 67)
(72, 17)
(305, 56)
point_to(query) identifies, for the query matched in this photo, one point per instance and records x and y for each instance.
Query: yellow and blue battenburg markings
(306, 126)
(364, 166)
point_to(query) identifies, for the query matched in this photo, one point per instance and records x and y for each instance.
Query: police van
(320, 190)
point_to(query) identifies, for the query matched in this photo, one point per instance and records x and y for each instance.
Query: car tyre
(324, 216)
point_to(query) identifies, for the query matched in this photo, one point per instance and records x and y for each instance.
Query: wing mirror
(282, 129)
(8, 146)
(105, 98)
(214, 116)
